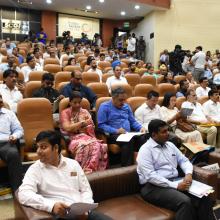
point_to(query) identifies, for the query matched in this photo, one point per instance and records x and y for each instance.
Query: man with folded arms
(199, 118)
(54, 182)
(157, 163)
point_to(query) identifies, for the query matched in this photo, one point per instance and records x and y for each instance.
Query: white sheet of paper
(80, 208)
(127, 136)
(198, 189)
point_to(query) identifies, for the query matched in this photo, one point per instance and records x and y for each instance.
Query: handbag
(184, 125)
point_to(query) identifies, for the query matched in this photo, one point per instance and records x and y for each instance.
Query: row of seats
(35, 115)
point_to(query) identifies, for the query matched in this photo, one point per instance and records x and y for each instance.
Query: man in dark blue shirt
(115, 118)
(76, 85)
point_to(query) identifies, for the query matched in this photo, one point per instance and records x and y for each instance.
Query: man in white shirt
(212, 110)
(149, 110)
(131, 43)
(32, 66)
(116, 79)
(199, 61)
(54, 182)
(203, 89)
(94, 69)
(157, 163)
(198, 117)
(66, 54)
(9, 91)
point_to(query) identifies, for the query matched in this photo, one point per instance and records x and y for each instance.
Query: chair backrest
(35, 115)
(163, 88)
(78, 55)
(60, 86)
(127, 61)
(30, 87)
(82, 64)
(89, 77)
(135, 102)
(4, 59)
(203, 99)
(179, 101)
(148, 80)
(80, 59)
(160, 78)
(178, 78)
(99, 101)
(51, 61)
(103, 64)
(100, 89)
(62, 77)
(142, 71)
(123, 65)
(65, 103)
(142, 89)
(36, 75)
(126, 87)
(107, 69)
(52, 68)
(133, 79)
(160, 101)
(71, 68)
(22, 53)
(3, 51)
(106, 76)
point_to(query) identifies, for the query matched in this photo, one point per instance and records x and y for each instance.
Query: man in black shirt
(47, 91)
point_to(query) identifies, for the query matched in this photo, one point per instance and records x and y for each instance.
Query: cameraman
(176, 58)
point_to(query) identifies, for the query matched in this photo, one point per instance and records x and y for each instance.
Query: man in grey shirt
(157, 163)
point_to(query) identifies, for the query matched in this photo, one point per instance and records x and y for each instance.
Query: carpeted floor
(7, 209)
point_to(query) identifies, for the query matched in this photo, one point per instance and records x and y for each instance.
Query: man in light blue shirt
(157, 166)
(10, 132)
(115, 118)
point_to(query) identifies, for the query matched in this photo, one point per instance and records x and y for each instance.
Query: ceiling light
(96, 12)
(123, 13)
(88, 7)
(137, 7)
(48, 1)
(101, 1)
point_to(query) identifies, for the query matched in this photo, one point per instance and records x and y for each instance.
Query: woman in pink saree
(76, 122)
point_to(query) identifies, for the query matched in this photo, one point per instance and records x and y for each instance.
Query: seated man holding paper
(55, 182)
(115, 117)
(157, 163)
(198, 117)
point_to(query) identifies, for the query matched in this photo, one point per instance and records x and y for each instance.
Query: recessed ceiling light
(101, 1)
(96, 12)
(123, 13)
(137, 7)
(48, 1)
(88, 7)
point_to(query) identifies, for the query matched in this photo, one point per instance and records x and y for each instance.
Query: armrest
(207, 177)
(114, 183)
(214, 157)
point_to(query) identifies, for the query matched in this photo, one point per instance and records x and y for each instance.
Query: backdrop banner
(76, 25)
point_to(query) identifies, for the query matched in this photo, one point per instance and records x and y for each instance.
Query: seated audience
(138, 66)
(157, 163)
(168, 78)
(71, 62)
(93, 68)
(88, 151)
(203, 89)
(10, 133)
(47, 91)
(76, 85)
(8, 45)
(184, 85)
(150, 72)
(31, 66)
(38, 57)
(190, 79)
(149, 110)
(66, 54)
(46, 54)
(42, 187)
(9, 91)
(15, 52)
(116, 79)
(115, 117)
(132, 68)
(198, 117)
(177, 122)
(10, 65)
